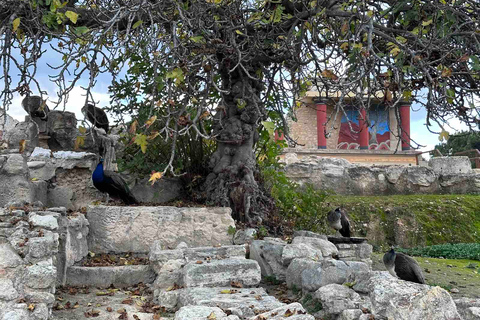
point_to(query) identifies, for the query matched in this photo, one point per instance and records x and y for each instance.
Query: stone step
(103, 277)
(116, 229)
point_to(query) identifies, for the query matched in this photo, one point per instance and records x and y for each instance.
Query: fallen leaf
(212, 316)
(289, 313)
(150, 121)
(31, 307)
(22, 145)
(133, 127)
(155, 176)
(109, 309)
(236, 284)
(199, 262)
(127, 301)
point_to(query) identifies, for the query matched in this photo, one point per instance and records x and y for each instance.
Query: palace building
(357, 135)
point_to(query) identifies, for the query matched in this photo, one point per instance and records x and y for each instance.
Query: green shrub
(448, 251)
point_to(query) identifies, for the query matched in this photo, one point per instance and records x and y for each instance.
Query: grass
(413, 220)
(447, 251)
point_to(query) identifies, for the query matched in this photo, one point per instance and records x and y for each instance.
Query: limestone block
(169, 278)
(328, 249)
(41, 275)
(16, 315)
(167, 299)
(118, 276)
(47, 222)
(217, 253)
(43, 246)
(199, 313)
(305, 233)
(268, 254)
(300, 250)
(295, 270)
(41, 312)
(244, 236)
(220, 273)
(9, 257)
(240, 301)
(292, 311)
(331, 271)
(76, 247)
(364, 250)
(472, 313)
(61, 127)
(7, 290)
(134, 229)
(451, 165)
(393, 173)
(350, 314)
(27, 131)
(39, 191)
(468, 308)
(420, 176)
(336, 298)
(40, 153)
(401, 300)
(39, 297)
(61, 196)
(15, 165)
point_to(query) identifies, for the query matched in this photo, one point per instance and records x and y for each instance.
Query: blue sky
(76, 99)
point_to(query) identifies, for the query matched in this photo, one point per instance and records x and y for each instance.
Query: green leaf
(141, 140)
(475, 62)
(395, 51)
(407, 94)
(198, 39)
(443, 135)
(176, 74)
(239, 32)
(137, 24)
(73, 16)
(15, 24)
(270, 127)
(426, 23)
(80, 31)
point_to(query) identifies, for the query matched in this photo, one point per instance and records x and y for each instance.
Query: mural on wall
(379, 133)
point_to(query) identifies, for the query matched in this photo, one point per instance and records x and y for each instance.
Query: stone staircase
(192, 270)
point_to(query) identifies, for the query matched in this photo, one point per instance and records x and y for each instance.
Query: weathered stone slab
(268, 254)
(239, 301)
(403, 300)
(199, 313)
(47, 222)
(292, 311)
(134, 229)
(328, 249)
(41, 275)
(118, 276)
(450, 165)
(220, 273)
(336, 298)
(300, 250)
(7, 291)
(305, 233)
(8, 257)
(295, 270)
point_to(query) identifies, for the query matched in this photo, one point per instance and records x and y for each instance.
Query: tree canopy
(234, 64)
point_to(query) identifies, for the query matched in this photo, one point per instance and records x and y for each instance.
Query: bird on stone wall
(338, 220)
(35, 107)
(403, 266)
(96, 116)
(112, 183)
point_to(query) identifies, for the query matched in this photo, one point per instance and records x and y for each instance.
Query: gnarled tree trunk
(232, 180)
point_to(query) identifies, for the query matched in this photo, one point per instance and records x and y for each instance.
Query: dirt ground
(452, 275)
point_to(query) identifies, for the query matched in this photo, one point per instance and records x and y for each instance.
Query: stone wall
(443, 176)
(29, 244)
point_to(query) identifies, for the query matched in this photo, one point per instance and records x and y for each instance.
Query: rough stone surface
(468, 308)
(40, 153)
(220, 273)
(41, 275)
(330, 271)
(295, 270)
(355, 179)
(133, 229)
(305, 233)
(61, 128)
(119, 276)
(199, 313)
(27, 131)
(300, 250)
(8, 257)
(336, 298)
(40, 247)
(451, 165)
(328, 249)
(244, 236)
(7, 291)
(296, 309)
(76, 247)
(47, 222)
(240, 301)
(397, 299)
(268, 254)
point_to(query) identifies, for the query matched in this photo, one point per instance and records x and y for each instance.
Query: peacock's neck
(97, 175)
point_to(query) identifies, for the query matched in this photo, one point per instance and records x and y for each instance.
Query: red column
(321, 121)
(405, 126)
(363, 127)
(279, 136)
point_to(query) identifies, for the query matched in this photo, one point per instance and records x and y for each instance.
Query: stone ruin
(443, 175)
(195, 268)
(56, 172)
